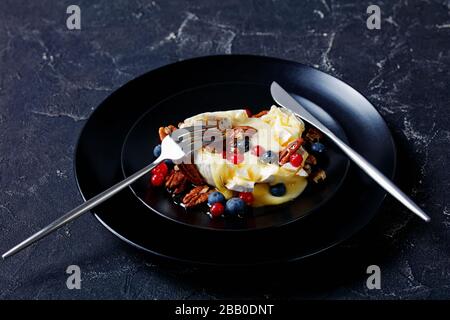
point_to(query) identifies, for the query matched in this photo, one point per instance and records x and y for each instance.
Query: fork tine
(192, 131)
(191, 144)
(193, 128)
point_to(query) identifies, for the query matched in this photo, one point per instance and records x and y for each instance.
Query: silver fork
(170, 149)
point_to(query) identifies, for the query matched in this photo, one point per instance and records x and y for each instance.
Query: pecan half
(240, 132)
(176, 181)
(260, 114)
(165, 131)
(191, 172)
(290, 150)
(232, 136)
(318, 175)
(313, 135)
(307, 168)
(311, 160)
(196, 196)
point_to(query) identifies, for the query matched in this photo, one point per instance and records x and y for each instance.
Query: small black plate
(98, 162)
(140, 141)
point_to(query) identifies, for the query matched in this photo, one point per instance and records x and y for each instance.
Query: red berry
(249, 113)
(157, 179)
(247, 197)
(257, 150)
(233, 156)
(236, 157)
(296, 160)
(217, 209)
(161, 168)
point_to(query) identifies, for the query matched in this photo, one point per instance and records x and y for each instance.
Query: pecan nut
(196, 196)
(191, 172)
(313, 135)
(176, 181)
(165, 131)
(307, 168)
(260, 114)
(239, 133)
(290, 150)
(311, 160)
(319, 176)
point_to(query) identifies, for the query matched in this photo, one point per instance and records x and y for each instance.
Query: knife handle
(376, 175)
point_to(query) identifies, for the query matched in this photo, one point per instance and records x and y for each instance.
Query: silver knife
(285, 100)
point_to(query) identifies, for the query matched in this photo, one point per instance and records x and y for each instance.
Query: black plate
(139, 143)
(98, 163)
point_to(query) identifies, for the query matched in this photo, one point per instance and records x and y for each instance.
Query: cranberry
(296, 160)
(217, 209)
(236, 157)
(157, 179)
(247, 197)
(257, 150)
(161, 168)
(249, 113)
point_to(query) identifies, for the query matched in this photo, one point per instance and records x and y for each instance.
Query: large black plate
(98, 163)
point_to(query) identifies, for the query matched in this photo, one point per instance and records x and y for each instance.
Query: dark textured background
(52, 78)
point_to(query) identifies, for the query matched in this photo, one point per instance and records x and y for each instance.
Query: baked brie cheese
(270, 133)
(244, 161)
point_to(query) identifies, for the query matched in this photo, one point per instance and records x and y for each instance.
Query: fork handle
(376, 175)
(81, 209)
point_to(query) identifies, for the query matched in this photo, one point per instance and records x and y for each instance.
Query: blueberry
(317, 147)
(243, 145)
(278, 190)
(169, 162)
(235, 206)
(269, 157)
(215, 197)
(157, 151)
